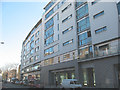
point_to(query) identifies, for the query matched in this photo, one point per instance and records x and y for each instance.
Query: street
(10, 85)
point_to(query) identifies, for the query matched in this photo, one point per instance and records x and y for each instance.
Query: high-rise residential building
(74, 40)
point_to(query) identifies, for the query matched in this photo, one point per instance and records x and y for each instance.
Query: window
(37, 49)
(27, 46)
(78, 4)
(32, 51)
(69, 29)
(58, 59)
(32, 38)
(66, 7)
(83, 11)
(84, 38)
(49, 51)
(68, 42)
(118, 6)
(49, 23)
(49, 32)
(100, 30)
(48, 6)
(36, 57)
(66, 18)
(49, 61)
(99, 14)
(89, 77)
(83, 25)
(49, 14)
(37, 41)
(32, 45)
(49, 40)
(67, 56)
(86, 52)
(31, 59)
(37, 34)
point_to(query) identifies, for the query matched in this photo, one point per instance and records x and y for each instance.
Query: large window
(49, 51)
(49, 40)
(49, 23)
(37, 41)
(48, 6)
(32, 38)
(78, 4)
(37, 49)
(86, 52)
(27, 46)
(49, 13)
(83, 24)
(49, 32)
(83, 11)
(67, 56)
(32, 45)
(32, 51)
(89, 77)
(31, 59)
(49, 61)
(84, 38)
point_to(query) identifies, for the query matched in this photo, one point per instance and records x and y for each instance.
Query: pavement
(10, 85)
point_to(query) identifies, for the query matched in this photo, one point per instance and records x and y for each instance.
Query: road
(10, 85)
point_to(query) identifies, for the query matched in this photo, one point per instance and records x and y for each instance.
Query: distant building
(74, 40)
(12, 74)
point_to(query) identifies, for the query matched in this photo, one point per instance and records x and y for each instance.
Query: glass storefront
(60, 76)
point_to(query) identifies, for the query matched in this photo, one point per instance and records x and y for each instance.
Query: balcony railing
(112, 50)
(100, 53)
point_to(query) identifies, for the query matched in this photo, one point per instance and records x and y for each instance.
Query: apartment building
(76, 40)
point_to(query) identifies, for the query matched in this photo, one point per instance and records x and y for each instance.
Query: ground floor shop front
(93, 73)
(96, 72)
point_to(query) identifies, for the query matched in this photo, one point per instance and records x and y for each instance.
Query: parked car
(25, 82)
(17, 82)
(21, 82)
(71, 83)
(13, 80)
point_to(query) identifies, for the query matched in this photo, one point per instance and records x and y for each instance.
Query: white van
(70, 83)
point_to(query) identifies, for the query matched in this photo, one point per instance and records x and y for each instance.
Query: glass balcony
(105, 52)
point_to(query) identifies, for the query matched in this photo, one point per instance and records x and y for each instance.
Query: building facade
(74, 40)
